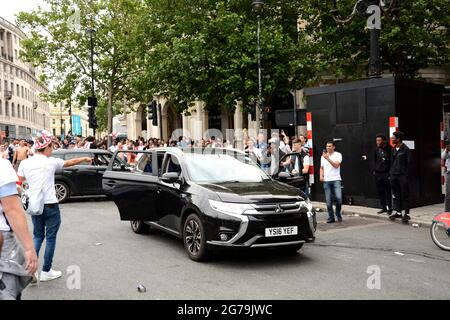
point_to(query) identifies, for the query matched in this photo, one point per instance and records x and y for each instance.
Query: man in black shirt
(381, 173)
(401, 158)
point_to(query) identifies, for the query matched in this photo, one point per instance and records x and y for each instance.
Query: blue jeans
(46, 227)
(305, 189)
(333, 189)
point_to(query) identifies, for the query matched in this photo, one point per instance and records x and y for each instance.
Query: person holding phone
(330, 175)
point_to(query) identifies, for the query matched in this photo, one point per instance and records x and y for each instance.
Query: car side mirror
(284, 175)
(170, 177)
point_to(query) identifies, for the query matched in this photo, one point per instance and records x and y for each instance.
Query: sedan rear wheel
(194, 238)
(62, 191)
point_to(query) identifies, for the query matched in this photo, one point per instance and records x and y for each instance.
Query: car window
(120, 162)
(160, 156)
(101, 159)
(145, 164)
(173, 165)
(291, 164)
(70, 156)
(223, 168)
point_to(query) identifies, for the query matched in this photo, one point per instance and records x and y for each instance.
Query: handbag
(33, 200)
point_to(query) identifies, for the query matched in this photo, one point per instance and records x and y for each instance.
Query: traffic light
(152, 113)
(92, 118)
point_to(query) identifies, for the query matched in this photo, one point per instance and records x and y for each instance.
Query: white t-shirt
(41, 169)
(7, 176)
(331, 173)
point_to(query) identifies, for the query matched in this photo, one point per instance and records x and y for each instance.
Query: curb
(348, 212)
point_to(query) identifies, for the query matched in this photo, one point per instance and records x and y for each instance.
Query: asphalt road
(112, 261)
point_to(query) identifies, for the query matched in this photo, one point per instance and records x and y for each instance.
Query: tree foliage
(187, 50)
(415, 36)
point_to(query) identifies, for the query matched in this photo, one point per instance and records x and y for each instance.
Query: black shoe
(382, 211)
(406, 218)
(394, 216)
(331, 221)
(389, 212)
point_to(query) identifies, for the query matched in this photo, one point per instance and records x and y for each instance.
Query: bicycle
(440, 231)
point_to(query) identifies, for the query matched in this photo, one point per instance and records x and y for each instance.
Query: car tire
(62, 191)
(140, 227)
(194, 239)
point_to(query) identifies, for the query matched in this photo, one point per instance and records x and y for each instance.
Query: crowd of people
(267, 152)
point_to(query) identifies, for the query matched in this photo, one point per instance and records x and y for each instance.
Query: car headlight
(307, 204)
(232, 208)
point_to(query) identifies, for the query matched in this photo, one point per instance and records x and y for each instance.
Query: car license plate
(281, 231)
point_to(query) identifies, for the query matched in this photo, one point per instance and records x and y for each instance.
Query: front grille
(259, 222)
(278, 208)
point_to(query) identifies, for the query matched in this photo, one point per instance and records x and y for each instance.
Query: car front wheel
(194, 238)
(139, 227)
(62, 191)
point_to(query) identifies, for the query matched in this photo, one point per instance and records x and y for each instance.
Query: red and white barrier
(443, 169)
(393, 126)
(310, 141)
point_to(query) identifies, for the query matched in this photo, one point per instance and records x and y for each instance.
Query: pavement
(423, 216)
(101, 258)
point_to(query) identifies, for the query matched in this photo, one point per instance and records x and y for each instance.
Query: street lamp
(93, 103)
(258, 7)
(373, 10)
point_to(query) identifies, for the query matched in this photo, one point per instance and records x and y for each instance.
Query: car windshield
(223, 168)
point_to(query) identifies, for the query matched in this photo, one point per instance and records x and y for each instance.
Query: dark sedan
(84, 179)
(211, 198)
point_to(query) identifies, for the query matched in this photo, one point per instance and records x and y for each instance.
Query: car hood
(254, 192)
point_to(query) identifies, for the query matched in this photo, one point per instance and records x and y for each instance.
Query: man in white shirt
(330, 175)
(14, 277)
(39, 171)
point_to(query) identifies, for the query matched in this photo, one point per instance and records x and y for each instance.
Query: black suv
(211, 198)
(84, 179)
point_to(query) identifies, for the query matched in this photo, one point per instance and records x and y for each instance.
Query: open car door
(287, 172)
(133, 189)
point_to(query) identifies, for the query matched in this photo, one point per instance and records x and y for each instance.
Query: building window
(18, 111)
(1, 107)
(13, 111)
(53, 121)
(18, 90)
(23, 96)
(6, 108)
(12, 88)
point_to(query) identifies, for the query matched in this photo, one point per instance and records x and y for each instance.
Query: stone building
(23, 112)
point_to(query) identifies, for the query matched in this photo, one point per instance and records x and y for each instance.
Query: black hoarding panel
(354, 113)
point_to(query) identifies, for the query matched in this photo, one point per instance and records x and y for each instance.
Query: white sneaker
(50, 275)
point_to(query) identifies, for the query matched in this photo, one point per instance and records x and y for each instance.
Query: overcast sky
(9, 8)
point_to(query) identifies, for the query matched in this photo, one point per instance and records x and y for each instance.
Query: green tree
(206, 50)
(59, 42)
(415, 36)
